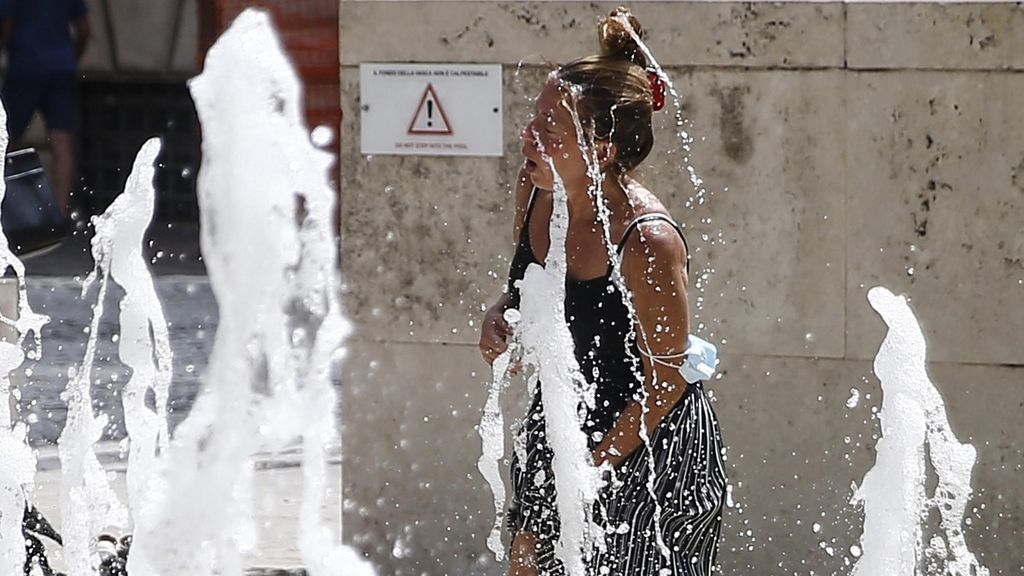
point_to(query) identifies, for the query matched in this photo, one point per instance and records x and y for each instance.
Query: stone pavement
(277, 495)
(54, 288)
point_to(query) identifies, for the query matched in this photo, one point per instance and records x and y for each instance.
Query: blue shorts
(51, 94)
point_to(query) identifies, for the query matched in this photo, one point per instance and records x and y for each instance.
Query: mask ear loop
(661, 359)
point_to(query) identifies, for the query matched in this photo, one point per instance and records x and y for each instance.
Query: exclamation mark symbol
(430, 112)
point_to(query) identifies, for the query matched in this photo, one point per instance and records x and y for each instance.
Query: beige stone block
(680, 33)
(984, 405)
(935, 181)
(768, 230)
(415, 502)
(795, 449)
(420, 267)
(427, 241)
(935, 35)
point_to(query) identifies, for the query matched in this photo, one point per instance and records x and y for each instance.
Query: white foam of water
(893, 493)
(144, 342)
(492, 426)
(266, 209)
(492, 435)
(88, 505)
(19, 462)
(548, 345)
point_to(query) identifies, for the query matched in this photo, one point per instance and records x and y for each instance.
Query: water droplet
(854, 398)
(322, 136)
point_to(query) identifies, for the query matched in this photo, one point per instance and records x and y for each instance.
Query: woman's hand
(494, 331)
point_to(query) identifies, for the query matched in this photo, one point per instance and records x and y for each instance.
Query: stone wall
(843, 146)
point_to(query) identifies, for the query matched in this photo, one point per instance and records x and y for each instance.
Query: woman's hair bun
(616, 38)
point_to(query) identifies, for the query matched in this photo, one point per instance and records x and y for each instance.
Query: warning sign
(430, 117)
(431, 109)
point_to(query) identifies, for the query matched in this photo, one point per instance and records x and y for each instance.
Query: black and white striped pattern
(689, 484)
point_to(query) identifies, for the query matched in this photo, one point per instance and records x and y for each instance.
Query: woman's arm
(524, 188)
(653, 267)
(494, 331)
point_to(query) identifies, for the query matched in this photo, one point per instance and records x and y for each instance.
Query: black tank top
(599, 323)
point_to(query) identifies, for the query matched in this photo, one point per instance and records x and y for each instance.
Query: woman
(614, 97)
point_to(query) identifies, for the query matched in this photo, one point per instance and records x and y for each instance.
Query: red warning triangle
(430, 117)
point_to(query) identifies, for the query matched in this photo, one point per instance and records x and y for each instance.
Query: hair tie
(657, 91)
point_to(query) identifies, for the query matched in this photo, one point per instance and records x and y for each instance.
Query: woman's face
(552, 131)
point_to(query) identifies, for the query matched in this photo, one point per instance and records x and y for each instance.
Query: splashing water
(701, 194)
(547, 345)
(492, 425)
(88, 504)
(685, 139)
(144, 343)
(268, 383)
(893, 493)
(596, 192)
(17, 475)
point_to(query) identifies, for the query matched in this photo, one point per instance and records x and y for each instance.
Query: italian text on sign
(431, 109)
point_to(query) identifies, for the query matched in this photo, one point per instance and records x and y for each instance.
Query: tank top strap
(650, 218)
(529, 206)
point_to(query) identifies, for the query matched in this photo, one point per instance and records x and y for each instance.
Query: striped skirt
(689, 484)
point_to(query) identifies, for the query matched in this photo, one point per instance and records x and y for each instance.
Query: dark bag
(30, 216)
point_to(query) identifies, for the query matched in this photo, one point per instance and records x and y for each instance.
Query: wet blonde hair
(613, 94)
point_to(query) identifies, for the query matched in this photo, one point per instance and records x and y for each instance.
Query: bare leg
(523, 559)
(63, 147)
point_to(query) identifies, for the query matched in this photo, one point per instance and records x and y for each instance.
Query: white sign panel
(431, 109)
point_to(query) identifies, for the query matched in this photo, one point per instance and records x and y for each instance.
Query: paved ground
(55, 289)
(191, 312)
(278, 485)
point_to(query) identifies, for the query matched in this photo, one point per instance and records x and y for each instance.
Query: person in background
(44, 40)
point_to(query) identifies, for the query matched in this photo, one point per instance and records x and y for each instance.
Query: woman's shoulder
(652, 231)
